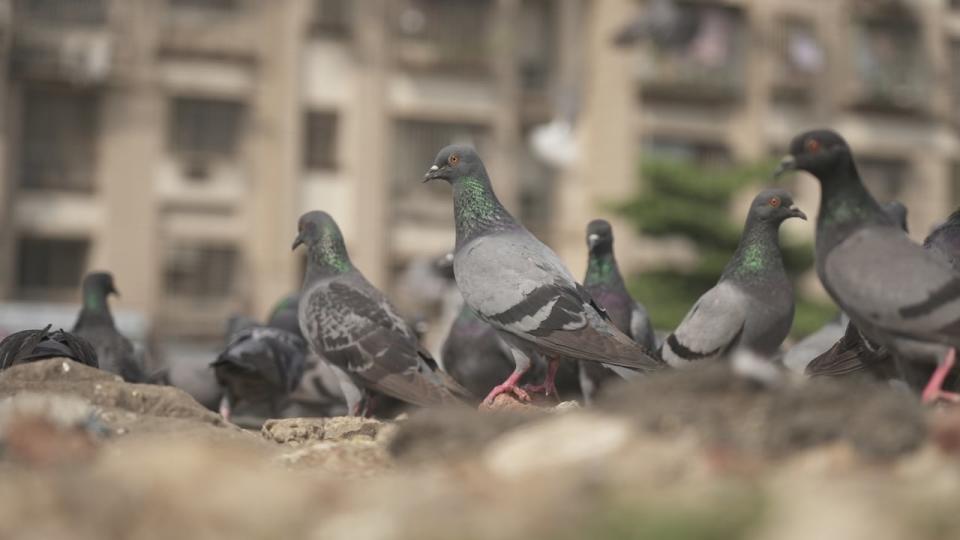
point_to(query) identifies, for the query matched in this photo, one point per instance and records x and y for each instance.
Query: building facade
(175, 142)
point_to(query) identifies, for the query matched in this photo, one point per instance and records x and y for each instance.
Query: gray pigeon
(474, 355)
(752, 305)
(352, 324)
(517, 284)
(95, 324)
(944, 241)
(605, 284)
(850, 352)
(899, 295)
(258, 370)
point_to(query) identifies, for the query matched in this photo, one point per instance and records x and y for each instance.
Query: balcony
(892, 67)
(213, 28)
(704, 62)
(801, 58)
(431, 35)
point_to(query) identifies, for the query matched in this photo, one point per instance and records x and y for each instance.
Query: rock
(556, 443)
(509, 403)
(352, 457)
(47, 429)
(300, 431)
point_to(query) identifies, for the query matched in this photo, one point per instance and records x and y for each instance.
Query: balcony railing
(222, 28)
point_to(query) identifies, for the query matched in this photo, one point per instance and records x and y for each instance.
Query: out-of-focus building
(175, 142)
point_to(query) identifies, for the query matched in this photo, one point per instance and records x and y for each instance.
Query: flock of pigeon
(527, 326)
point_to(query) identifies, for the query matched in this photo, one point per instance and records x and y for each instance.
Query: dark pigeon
(258, 370)
(517, 284)
(605, 285)
(752, 305)
(352, 324)
(799, 358)
(285, 314)
(95, 324)
(944, 241)
(33, 345)
(900, 296)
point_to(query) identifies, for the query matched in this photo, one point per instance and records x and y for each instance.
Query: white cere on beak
(593, 238)
(434, 168)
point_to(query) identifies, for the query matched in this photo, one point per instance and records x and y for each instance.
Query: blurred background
(175, 142)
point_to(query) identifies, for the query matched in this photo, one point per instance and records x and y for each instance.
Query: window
(704, 57)
(450, 35)
(320, 141)
(207, 127)
(884, 177)
(93, 12)
(58, 139)
(416, 144)
(201, 271)
(890, 61)
(333, 17)
(801, 58)
(536, 43)
(50, 267)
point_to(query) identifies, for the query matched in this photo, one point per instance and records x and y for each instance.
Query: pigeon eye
(774, 202)
(453, 159)
(813, 146)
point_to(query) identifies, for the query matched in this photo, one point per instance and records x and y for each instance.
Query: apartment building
(175, 142)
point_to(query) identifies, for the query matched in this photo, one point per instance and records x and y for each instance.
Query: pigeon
(33, 345)
(259, 368)
(944, 241)
(605, 284)
(752, 305)
(115, 352)
(899, 295)
(518, 285)
(848, 352)
(352, 324)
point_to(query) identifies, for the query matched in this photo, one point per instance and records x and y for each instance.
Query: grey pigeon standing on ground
(352, 324)
(752, 305)
(605, 285)
(258, 370)
(944, 241)
(34, 345)
(517, 284)
(899, 295)
(115, 353)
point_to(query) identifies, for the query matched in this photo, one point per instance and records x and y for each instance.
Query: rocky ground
(698, 454)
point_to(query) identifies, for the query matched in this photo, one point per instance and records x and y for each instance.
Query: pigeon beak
(796, 212)
(788, 163)
(432, 174)
(592, 240)
(297, 242)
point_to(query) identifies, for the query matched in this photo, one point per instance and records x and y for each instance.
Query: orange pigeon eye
(774, 202)
(813, 145)
(453, 159)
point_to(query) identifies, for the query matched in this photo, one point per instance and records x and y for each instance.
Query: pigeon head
(898, 211)
(599, 236)
(775, 206)
(319, 232)
(454, 162)
(817, 152)
(100, 283)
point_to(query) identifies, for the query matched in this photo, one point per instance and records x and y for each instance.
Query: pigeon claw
(506, 388)
(934, 390)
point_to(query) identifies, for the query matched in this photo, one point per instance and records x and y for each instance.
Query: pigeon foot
(508, 387)
(549, 386)
(934, 389)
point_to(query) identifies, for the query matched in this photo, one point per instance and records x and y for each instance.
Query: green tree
(681, 198)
